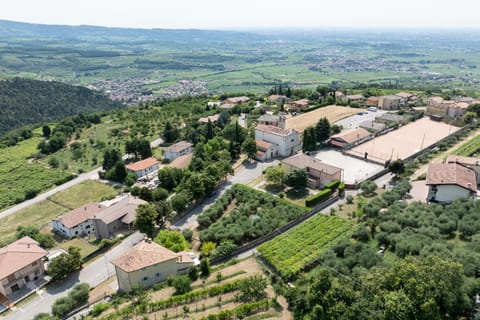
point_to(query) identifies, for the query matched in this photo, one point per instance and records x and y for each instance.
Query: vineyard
(255, 214)
(290, 252)
(469, 148)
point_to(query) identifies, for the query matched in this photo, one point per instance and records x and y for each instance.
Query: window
(34, 264)
(158, 274)
(145, 278)
(87, 227)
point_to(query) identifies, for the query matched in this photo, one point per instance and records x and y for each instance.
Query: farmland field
(290, 252)
(332, 113)
(469, 148)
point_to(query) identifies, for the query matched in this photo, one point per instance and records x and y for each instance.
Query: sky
(247, 14)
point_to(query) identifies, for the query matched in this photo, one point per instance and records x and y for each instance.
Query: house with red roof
(77, 222)
(143, 167)
(448, 182)
(20, 264)
(275, 141)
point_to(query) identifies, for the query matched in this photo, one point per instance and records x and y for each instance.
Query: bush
(62, 307)
(333, 185)
(349, 199)
(188, 234)
(318, 198)
(99, 308)
(182, 284)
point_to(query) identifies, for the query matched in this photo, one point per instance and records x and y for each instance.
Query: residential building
(457, 109)
(212, 119)
(352, 98)
(148, 263)
(390, 118)
(319, 173)
(227, 106)
(372, 102)
(116, 218)
(77, 223)
(181, 162)
(279, 99)
(469, 162)
(288, 140)
(391, 102)
(372, 126)
(237, 100)
(20, 263)
(349, 137)
(272, 120)
(177, 150)
(213, 103)
(298, 105)
(266, 150)
(448, 182)
(407, 98)
(143, 167)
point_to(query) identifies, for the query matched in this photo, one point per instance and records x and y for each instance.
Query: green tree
(169, 134)
(130, 179)
(209, 130)
(110, 158)
(169, 178)
(140, 148)
(208, 248)
(309, 139)
(223, 119)
(62, 306)
(172, 240)
(79, 294)
(469, 117)
(368, 187)
(275, 174)
(182, 284)
(45, 316)
(180, 201)
(397, 167)
(61, 266)
(46, 131)
(250, 148)
(296, 179)
(253, 288)
(145, 220)
(204, 267)
(322, 130)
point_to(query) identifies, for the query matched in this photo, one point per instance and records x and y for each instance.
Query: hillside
(24, 101)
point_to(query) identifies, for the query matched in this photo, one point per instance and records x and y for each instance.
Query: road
(83, 177)
(93, 274)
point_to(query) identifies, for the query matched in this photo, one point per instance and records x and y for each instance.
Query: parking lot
(354, 170)
(355, 120)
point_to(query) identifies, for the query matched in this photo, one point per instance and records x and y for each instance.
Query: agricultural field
(253, 215)
(42, 213)
(19, 173)
(218, 295)
(290, 252)
(332, 113)
(470, 148)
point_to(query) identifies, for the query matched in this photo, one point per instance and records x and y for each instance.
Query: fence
(275, 233)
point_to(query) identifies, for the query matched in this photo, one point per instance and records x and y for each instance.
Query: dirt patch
(332, 113)
(99, 292)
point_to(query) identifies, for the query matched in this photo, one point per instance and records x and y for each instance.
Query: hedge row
(240, 312)
(318, 198)
(333, 184)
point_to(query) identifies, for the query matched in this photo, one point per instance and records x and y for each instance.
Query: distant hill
(24, 101)
(12, 29)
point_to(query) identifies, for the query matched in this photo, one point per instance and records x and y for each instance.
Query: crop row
(290, 252)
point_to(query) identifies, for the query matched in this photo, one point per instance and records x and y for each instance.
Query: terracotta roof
(436, 100)
(351, 136)
(142, 165)
(391, 97)
(263, 144)
(303, 161)
(373, 99)
(178, 147)
(301, 103)
(212, 119)
(354, 96)
(451, 173)
(404, 95)
(272, 129)
(145, 254)
(227, 106)
(18, 255)
(81, 214)
(461, 105)
(125, 209)
(277, 97)
(268, 117)
(471, 161)
(238, 100)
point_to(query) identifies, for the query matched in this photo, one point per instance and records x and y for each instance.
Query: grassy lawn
(85, 246)
(39, 214)
(85, 192)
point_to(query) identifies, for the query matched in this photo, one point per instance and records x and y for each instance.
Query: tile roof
(404, 95)
(391, 97)
(451, 173)
(125, 209)
(178, 147)
(238, 100)
(262, 144)
(75, 217)
(272, 129)
(452, 158)
(354, 96)
(181, 162)
(268, 117)
(212, 119)
(145, 254)
(302, 161)
(352, 135)
(376, 126)
(18, 255)
(142, 164)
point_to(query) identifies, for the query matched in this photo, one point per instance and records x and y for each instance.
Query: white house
(266, 150)
(469, 162)
(288, 140)
(143, 167)
(177, 150)
(450, 181)
(77, 223)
